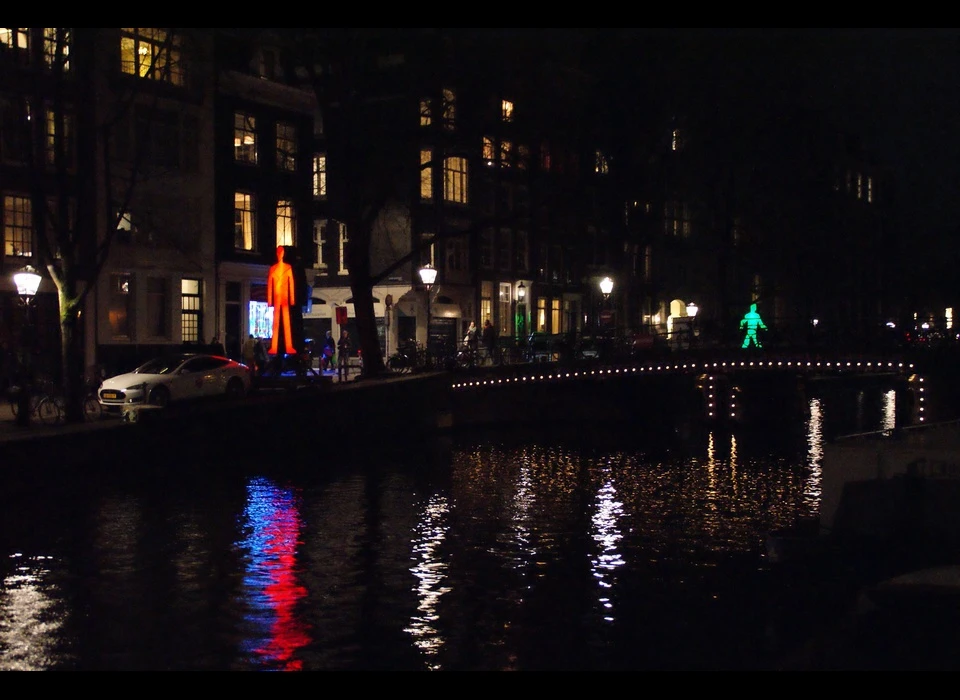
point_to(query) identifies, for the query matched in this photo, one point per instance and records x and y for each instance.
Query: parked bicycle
(405, 359)
(414, 357)
(43, 404)
(49, 407)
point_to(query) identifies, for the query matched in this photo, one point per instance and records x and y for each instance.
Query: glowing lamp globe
(27, 281)
(428, 275)
(606, 286)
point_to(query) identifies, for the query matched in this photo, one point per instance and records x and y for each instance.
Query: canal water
(565, 549)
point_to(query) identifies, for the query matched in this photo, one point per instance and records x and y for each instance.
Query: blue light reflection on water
(489, 553)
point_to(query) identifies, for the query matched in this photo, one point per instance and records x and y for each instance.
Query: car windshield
(161, 365)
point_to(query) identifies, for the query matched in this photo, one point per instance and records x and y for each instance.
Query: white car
(175, 378)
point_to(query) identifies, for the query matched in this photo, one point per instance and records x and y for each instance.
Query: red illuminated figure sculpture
(280, 296)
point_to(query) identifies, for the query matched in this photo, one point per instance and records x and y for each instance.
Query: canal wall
(301, 425)
(293, 425)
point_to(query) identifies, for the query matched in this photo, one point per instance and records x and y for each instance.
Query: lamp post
(520, 323)
(692, 310)
(428, 275)
(606, 286)
(27, 281)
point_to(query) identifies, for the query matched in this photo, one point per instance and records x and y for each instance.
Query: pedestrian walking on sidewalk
(249, 353)
(471, 343)
(489, 335)
(343, 356)
(328, 352)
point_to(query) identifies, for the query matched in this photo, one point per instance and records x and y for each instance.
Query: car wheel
(160, 396)
(235, 388)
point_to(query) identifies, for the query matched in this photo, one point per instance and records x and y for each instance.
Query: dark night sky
(897, 89)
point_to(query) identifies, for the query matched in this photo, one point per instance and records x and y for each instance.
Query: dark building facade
(522, 164)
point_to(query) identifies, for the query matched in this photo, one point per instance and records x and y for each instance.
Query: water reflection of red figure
(276, 521)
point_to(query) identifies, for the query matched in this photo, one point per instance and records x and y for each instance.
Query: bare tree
(362, 89)
(69, 140)
(368, 155)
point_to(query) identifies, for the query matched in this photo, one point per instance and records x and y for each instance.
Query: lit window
(601, 165)
(455, 180)
(870, 189)
(151, 53)
(342, 249)
(286, 147)
(65, 127)
(859, 186)
(120, 310)
(489, 153)
(125, 227)
(190, 315)
(676, 140)
(320, 241)
(426, 174)
(286, 224)
(506, 154)
(319, 175)
(504, 307)
(55, 40)
(545, 157)
(506, 110)
(17, 226)
(426, 113)
(244, 138)
(244, 221)
(15, 37)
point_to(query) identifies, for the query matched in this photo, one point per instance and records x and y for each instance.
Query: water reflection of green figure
(752, 321)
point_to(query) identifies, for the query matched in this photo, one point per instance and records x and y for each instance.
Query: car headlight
(142, 386)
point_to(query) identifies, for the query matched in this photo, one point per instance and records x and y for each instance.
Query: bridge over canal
(670, 391)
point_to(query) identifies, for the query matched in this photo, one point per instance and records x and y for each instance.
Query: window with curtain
(286, 223)
(244, 221)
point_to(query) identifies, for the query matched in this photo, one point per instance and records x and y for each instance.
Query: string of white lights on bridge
(685, 367)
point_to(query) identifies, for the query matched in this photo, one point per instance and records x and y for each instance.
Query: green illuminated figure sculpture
(752, 321)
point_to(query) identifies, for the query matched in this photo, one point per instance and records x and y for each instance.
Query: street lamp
(27, 281)
(692, 310)
(428, 275)
(520, 320)
(606, 286)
